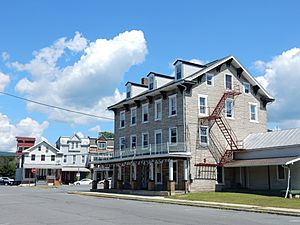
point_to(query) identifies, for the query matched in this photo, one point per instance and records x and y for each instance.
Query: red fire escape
(216, 117)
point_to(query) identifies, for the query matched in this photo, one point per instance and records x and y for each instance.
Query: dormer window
(128, 92)
(178, 71)
(151, 83)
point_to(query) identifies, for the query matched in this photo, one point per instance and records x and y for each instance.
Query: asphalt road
(27, 205)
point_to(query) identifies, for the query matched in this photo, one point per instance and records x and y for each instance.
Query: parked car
(85, 181)
(6, 181)
(102, 181)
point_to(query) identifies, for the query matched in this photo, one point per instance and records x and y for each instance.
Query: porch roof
(42, 166)
(263, 162)
(75, 169)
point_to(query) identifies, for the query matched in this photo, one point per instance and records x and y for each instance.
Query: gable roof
(161, 75)
(136, 84)
(40, 143)
(274, 139)
(189, 63)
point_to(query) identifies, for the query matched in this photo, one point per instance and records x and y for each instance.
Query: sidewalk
(217, 205)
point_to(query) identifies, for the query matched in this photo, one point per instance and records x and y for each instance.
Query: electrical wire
(56, 107)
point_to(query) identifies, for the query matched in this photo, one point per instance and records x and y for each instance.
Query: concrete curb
(214, 205)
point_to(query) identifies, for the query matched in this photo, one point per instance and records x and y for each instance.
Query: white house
(41, 162)
(75, 157)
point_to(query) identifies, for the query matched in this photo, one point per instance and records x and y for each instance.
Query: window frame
(256, 112)
(199, 106)
(131, 142)
(212, 79)
(179, 65)
(174, 96)
(170, 136)
(225, 83)
(156, 102)
(103, 147)
(128, 91)
(53, 158)
(232, 108)
(204, 144)
(145, 106)
(143, 139)
(32, 157)
(151, 82)
(277, 173)
(43, 158)
(159, 131)
(131, 116)
(120, 143)
(120, 124)
(244, 87)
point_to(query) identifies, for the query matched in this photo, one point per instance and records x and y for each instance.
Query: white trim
(170, 143)
(159, 131)
(277, 173)
(143, 107)
(207, 135)
(225, 74)
(206, 105)
(155, 109)
(156, 170)
(172, 97)
(143, 147)
(131, 136)
(244, 89)
(131, 110)
(212, 80)
(256, 112)
(120, 123)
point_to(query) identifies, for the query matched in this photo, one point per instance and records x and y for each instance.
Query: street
(29, 205)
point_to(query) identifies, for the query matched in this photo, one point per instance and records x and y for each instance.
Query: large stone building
(177, 133)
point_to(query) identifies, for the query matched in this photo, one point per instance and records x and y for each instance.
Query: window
(74, 159)
(32, 157)
(228, 82)
(102, 145)
(158, 173)
(65, 158)
(253, 112)
(145, 113)
(173, 135)
(122, 143)
(229, 108)
(145, 140)
(133, 142)
(203, 132)
(82, 159)
(202, 104)
(43, 157)
(246, 86)
(52, 158)
(172, 105)
(178, 71)
(72, 145)
(122, 119)
(76, 144)
(280, 173)
(158, 140)
(39, 148)
(158, 109)
(209, 79)
(128, 92)
(151, 83)
(133, 116)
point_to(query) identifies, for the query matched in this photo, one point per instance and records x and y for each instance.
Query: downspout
(288, 182)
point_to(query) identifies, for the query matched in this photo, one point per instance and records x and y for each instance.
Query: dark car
(6, 181)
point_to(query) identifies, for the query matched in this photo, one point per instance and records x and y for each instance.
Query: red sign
(33, 170)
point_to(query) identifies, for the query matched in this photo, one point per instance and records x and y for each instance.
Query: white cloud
(88, 85)
(282, 78)
(5, 56)
(4, 81)
(25, 127)
(95, 129)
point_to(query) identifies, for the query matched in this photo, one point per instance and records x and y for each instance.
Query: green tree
(107, 134)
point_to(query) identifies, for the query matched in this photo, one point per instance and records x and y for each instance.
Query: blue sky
(263, 35)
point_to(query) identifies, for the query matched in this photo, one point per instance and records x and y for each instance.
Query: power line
(56, 107)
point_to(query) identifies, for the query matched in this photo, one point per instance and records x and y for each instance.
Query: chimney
(144, 81)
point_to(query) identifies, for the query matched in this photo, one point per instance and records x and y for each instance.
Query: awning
(74, 169)
(41, 166)
(262, 162)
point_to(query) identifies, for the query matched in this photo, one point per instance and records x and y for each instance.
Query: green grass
(241, 198)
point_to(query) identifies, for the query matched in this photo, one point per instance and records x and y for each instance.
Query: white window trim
(121, 112)
(131, 136)
(155, 109)
(120, 138)
(159, 131)
(256, 112)
(212, 80)
(132, 109)
(225, 108)
(153, 83)
(277, 174)
(225, 81)
(179, 64)
(170, 97)
(156, 182)
(173, 144)
(204, 144)
(244, 89)
(143, 106)
(130, 90)
(143, 147)
(206, 105)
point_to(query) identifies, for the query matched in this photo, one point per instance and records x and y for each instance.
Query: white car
(102, 181)
(85, 181)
